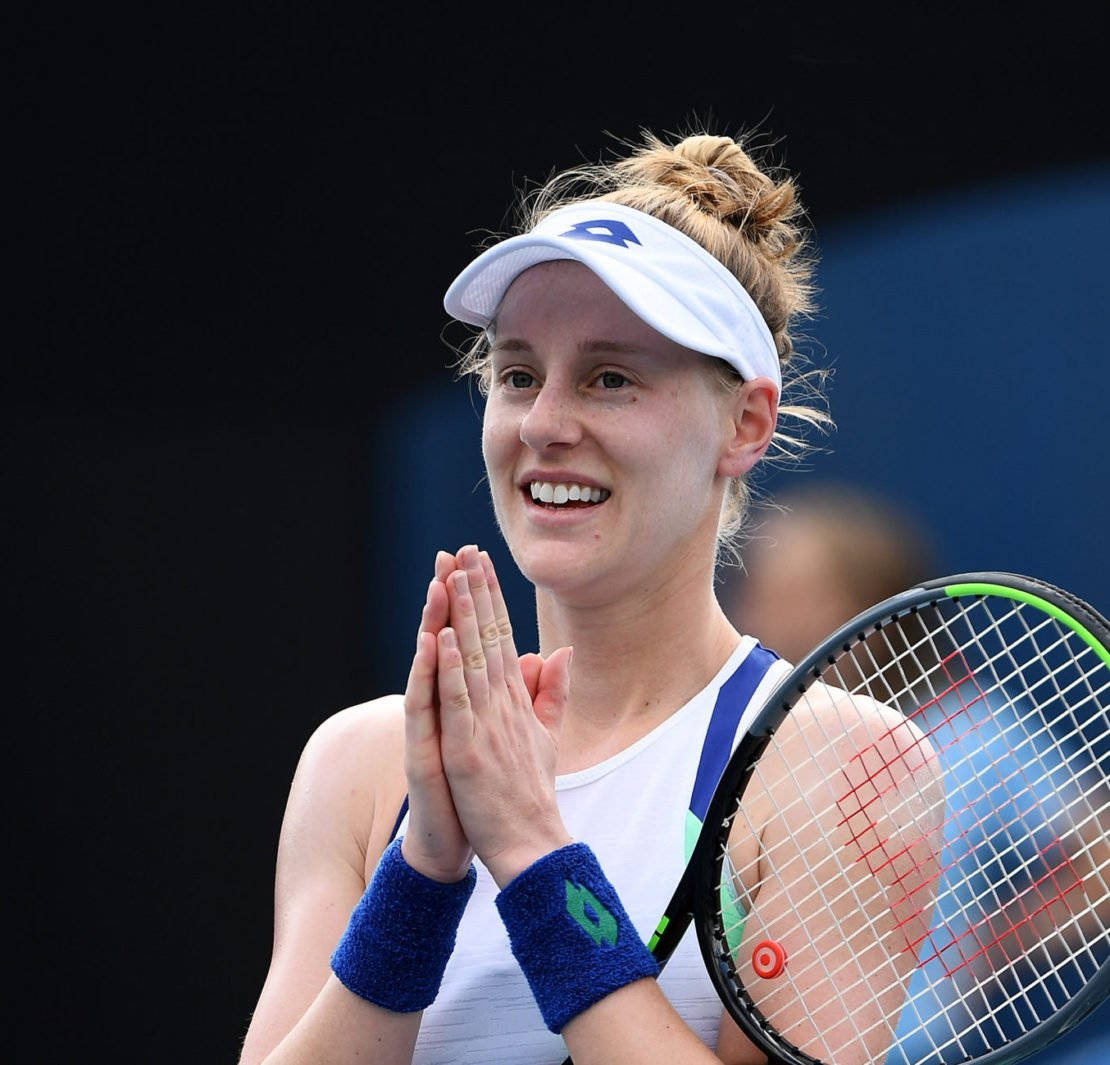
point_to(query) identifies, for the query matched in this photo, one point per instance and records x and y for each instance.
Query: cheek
(499, 440)
(689, 451)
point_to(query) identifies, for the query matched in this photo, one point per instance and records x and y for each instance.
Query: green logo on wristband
(605, 925)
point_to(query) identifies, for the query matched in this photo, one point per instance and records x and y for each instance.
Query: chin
(577, 575)
(555, 565)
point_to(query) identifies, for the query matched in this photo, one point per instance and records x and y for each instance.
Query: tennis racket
(907, 858)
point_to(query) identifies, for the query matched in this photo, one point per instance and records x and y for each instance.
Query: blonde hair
(750, 219)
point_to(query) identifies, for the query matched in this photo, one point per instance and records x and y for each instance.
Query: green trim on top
(693, 830)
(1052, 610)
(733, 916)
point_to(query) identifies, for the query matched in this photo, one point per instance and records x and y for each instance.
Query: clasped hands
(481, 731)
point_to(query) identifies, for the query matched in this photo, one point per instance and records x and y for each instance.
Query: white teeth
(558, 494)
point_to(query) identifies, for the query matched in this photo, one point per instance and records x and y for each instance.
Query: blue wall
(969, 338)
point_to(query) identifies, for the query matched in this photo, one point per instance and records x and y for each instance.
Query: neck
(637, 659)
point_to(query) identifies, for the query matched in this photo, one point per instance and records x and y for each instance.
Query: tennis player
(633, 341)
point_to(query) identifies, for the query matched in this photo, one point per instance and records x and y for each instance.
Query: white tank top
(633, 811)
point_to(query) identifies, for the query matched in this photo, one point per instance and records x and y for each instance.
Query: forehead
(564, 298)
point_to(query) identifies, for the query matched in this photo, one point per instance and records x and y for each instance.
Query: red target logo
(768, 958)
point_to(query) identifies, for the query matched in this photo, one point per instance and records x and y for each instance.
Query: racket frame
(702, 876)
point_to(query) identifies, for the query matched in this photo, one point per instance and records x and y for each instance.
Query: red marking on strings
(875, 852)
(922, 736)
(1008, 936)
(961, 856)
(994, 933)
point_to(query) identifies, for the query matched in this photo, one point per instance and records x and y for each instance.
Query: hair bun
(717, 175)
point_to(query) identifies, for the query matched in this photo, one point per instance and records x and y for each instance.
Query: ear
(752, 416)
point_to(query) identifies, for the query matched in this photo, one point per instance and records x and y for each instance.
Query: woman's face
(602, 440)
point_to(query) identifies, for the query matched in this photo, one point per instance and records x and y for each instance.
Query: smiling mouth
(559, 495)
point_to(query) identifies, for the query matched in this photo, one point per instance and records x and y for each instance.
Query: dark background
(233, 234)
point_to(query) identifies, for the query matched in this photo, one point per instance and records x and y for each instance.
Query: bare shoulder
(357, 738)
(837, 747)
(845, 724)
(350, 780)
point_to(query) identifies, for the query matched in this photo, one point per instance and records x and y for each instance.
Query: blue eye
(519, 379)
(612, 379)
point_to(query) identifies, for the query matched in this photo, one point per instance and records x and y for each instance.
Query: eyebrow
(589, 346)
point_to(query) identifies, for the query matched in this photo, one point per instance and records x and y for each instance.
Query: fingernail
(448, 637)
(461, 584)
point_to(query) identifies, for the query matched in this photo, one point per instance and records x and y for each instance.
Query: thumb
(553, 689)
(530, 667)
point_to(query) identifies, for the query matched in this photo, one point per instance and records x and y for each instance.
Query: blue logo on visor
(608, 230)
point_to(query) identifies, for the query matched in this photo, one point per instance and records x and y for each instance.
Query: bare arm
(341, 808)
(638, 1024)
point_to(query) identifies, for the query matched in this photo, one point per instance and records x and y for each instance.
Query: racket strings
(1049, 729)
(1053, 680)
(1028, 782)
(868, 977)
(1016, 726)
(1030, 864)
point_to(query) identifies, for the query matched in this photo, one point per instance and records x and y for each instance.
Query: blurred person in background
(824, 553)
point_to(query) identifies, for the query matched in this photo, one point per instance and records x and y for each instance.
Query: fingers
(456, 716)
(420, 689)
(510, 663)
(495, 631)
(445, 565)
(436, 608)
(530, 666)
(436, 604)
(464, 632)
(420, 692)
(480, 621)
(490, 628)
(553, 689)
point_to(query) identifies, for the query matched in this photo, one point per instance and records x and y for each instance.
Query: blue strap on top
(732, 701)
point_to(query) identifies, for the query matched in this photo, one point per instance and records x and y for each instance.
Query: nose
(553, 419)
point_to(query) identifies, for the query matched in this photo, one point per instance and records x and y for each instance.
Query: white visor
(668, 280)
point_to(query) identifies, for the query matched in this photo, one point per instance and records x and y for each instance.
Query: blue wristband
(400, 935)
(570, 934)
